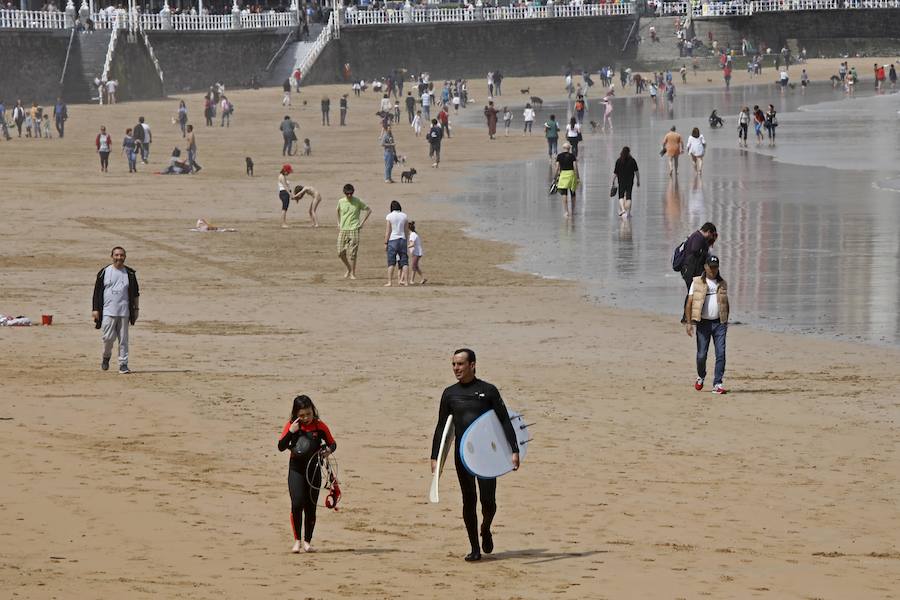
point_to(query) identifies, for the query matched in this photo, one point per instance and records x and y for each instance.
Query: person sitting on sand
(315, 198)
(176, 166)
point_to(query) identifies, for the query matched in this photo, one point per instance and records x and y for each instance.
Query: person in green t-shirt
(551, 130)
(348, 210)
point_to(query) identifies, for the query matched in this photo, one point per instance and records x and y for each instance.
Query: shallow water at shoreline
(809, 230)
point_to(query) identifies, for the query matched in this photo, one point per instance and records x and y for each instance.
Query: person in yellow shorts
(567, 177)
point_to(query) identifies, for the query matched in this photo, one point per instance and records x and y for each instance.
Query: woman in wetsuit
(305, 435)
(467, 400)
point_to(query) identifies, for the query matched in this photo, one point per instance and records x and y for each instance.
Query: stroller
(715, 121)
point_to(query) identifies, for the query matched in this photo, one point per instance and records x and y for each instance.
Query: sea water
(809, 231)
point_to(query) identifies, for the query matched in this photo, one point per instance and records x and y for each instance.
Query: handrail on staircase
(280, 51)
(637, 19)
(62, 77)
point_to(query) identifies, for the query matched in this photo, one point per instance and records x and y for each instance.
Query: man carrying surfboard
(464, 402)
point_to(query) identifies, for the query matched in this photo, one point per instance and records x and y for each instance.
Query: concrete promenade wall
(825, 32)
(192, 61)
(471, 49)
(31, 64)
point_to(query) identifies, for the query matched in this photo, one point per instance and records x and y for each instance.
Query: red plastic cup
(46, 319)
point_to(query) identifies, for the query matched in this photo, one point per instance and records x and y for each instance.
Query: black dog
(407, 176)
(594, 125)
(249, 165)
(525, 91)
(537, 102)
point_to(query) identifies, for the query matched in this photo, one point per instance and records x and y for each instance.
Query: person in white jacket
(696, 148)
(528, 116)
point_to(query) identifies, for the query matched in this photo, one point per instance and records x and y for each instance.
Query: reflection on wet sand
(808, 240)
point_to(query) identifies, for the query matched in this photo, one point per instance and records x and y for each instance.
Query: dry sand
(167, 483)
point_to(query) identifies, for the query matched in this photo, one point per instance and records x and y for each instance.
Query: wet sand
(167, 482)
(802, 224)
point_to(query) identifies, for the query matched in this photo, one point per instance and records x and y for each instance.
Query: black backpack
(678, 256)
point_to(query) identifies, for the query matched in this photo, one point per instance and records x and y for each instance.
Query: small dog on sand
(249, 165)
(537, 102)
(525, 91)
(407, 176)
(307, 148)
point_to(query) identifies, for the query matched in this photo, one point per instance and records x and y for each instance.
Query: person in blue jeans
(707, 310)
(390, 152)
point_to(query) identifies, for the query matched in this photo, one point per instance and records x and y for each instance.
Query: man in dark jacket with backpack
(693, 255)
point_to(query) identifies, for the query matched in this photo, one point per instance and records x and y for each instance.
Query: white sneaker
(296, 548)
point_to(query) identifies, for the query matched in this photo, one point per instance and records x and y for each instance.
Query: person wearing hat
(707, 309)
(567, 177)
(284, 192)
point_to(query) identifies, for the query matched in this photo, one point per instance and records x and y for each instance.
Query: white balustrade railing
(158, 68)
(502, 13)
(32, 19)
(737, 7)
(321, 41)
(672, 8)
(110, 50)
(120, 19)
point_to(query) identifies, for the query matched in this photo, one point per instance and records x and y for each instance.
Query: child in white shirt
(507, 119)
(414, 249)
(417, 123)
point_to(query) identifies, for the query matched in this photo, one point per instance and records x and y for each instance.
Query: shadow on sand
(540, 555)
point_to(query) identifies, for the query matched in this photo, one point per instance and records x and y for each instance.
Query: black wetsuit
(467, 402)
(303, 445)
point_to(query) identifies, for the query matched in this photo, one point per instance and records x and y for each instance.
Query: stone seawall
(31, 64)
(471, 49)
(821, 32)
(194, 61)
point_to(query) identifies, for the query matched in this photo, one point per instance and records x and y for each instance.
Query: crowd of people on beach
(704, 310)
(34, 121)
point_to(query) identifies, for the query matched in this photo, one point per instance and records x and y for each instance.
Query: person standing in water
(625, 174)
(696, 148)
(306, 436)
(771, 124)
(674, 146)
(743, 125)
(567, 177)
(465, 401)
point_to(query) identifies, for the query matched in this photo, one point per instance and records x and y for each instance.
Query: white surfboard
(484, 450)
(443, 453)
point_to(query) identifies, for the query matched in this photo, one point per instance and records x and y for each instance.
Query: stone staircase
(663, 53)
(93, 48)
(293, 55)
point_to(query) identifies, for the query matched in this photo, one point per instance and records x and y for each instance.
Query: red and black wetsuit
(466, 402)
(304, 444)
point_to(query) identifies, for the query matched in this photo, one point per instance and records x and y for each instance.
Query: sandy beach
(167, 483)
